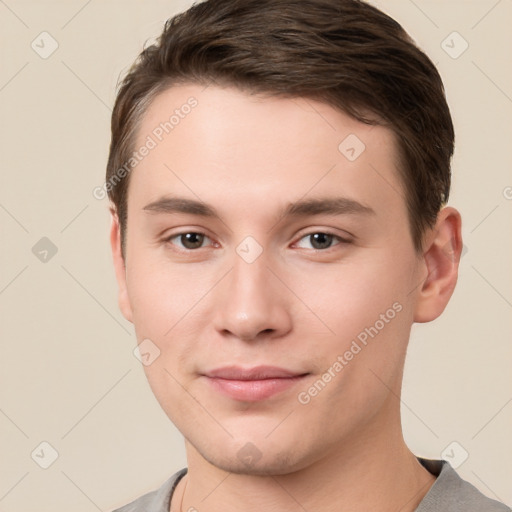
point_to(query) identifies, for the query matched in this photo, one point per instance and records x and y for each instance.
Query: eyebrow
(304, 207)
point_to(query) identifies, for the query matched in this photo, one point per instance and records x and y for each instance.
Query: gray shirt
(448, 494)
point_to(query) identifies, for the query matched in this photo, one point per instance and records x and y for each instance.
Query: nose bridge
(250, 303)
(248, 279)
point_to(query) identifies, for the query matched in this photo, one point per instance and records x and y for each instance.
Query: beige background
(68, 373)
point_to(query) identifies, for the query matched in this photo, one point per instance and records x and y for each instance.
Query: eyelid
(168, 238)
(342, 239)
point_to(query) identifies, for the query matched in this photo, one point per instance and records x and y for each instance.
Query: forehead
(217, 142)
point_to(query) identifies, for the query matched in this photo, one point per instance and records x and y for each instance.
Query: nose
(252, 303)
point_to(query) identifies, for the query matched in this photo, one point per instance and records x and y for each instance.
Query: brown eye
(319, 241)
(188, 241)
(192, 240)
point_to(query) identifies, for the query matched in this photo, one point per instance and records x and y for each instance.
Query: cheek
(164, 303)
(367, 307)
(168, 303)
(162, 294)
(350, 297)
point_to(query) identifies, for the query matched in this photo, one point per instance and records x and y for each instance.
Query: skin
(296, 306)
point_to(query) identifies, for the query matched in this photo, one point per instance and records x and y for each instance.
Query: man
(278, 173)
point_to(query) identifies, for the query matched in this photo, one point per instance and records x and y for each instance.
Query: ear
(440, 260)
(119, 266)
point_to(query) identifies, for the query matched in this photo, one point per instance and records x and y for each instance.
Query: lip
(252, 384)
(255, 373)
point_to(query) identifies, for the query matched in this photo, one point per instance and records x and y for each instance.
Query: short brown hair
(345, 53)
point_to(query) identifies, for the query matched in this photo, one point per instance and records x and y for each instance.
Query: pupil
(321, 240)
(192, 240)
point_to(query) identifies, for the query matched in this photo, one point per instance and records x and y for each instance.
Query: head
(277, 176)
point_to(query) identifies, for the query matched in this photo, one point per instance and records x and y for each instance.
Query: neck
(372, 471)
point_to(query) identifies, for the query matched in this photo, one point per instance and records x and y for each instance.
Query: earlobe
(119, 266)
(441, 260)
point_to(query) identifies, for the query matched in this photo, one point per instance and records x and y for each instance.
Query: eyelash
(340, 240)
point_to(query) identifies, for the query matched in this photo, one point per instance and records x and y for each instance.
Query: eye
(188, 241)
(320, 241)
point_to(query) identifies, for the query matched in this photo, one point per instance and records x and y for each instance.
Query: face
(268, 232)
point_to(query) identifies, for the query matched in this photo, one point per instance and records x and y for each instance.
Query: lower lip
(253, 390)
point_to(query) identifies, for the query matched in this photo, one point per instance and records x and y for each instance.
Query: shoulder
(451, 493)
(155, 501)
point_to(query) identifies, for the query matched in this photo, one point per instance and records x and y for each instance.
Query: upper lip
(254, 373)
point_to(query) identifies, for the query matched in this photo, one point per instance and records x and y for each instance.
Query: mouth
(252, 384)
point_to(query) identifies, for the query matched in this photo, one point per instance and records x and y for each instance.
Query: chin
(251, 460)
